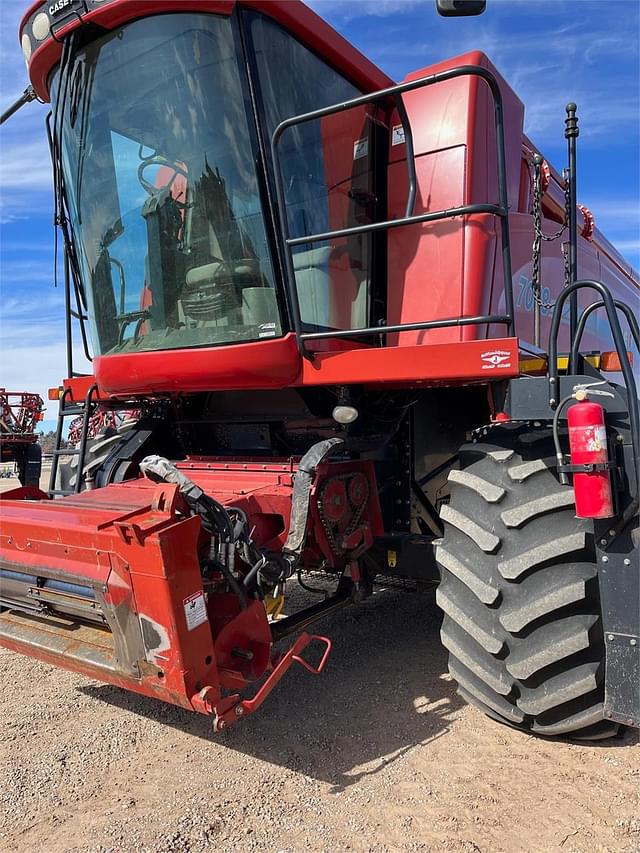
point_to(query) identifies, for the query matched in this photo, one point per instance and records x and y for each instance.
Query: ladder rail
(64, 411)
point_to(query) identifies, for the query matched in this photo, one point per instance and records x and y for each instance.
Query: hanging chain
(539, 235)
(564, 246)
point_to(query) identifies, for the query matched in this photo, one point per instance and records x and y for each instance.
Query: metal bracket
(243, 707)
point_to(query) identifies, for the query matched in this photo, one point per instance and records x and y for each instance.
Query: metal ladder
(86, 409)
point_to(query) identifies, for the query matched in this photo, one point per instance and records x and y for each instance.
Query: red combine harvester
(20, 413)
(316, 289)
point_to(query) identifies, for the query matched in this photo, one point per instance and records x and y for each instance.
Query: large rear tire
(98, 451)
(519, 590)
(29, 464)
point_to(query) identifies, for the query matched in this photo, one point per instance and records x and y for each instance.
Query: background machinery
(20, 413)
(315, 290)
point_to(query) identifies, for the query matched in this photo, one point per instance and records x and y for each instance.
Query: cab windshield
(162, 190)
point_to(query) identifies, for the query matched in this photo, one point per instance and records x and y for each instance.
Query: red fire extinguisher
(588, 446)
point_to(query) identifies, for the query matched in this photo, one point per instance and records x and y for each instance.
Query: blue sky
(550, 51)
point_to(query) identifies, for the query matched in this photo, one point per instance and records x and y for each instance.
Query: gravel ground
(377, 754)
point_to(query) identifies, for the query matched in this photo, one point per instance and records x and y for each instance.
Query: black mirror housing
(460, 8)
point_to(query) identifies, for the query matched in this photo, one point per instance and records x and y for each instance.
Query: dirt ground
(377, 754)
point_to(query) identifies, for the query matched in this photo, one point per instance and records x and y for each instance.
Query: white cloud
(347, 11)
(627, 246)
(24, 166)
(36, 365)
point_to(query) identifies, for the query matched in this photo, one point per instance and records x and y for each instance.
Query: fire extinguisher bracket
(587, 468)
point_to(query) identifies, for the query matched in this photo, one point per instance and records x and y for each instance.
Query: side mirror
(460, 8)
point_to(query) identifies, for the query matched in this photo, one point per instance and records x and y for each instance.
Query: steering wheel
(160, 160)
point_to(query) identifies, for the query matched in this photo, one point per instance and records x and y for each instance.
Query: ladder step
(53, 492)
(72, 410)
(74, 451)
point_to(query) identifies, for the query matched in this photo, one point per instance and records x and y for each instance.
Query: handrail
(588, 311)
(500, 210)
(612, 315)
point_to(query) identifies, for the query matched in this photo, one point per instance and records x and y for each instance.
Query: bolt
(239, 710)
(612, 533)
(605, 559)
(603, 541)
(608, 714)
(610, 637)
(552, 401)
(620, 438)
(398, 521)
(627, 561)
(634, 642)
(630, 721)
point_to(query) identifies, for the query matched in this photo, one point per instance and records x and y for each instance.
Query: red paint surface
(588, 445)
(437, 270)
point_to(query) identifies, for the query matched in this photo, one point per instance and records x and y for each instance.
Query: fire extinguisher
(590, 463)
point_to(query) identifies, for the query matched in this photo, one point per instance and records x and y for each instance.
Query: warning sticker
(397, 135)
(360, 148)
(195, 610)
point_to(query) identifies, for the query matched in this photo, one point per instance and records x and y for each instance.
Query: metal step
(73, 451)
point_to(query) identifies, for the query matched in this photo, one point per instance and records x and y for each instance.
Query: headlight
(26, 47)
(345, 414)
(40, 26)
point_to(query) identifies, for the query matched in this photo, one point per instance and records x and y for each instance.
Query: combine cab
(314, 287)
(20, 413)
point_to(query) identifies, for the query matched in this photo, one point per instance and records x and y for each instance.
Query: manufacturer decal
(266, 330)
(58, 6)
(195, 610)
(496, 358)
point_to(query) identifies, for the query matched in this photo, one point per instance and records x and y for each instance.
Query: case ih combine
(317, 290)
(20, 412)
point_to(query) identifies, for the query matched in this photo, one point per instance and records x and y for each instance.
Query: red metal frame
(20, 412)
(136, 546)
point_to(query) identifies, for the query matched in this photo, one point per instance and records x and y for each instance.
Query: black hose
(556, 438)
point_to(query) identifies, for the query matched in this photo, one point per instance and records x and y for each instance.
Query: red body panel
(293, 15)
(134, 549)
(435, 270)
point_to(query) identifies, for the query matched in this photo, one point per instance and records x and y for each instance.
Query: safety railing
(611, 307)
(501, 210)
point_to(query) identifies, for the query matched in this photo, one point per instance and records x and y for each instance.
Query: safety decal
(397, 135)
(360, 148)
(195, 610)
